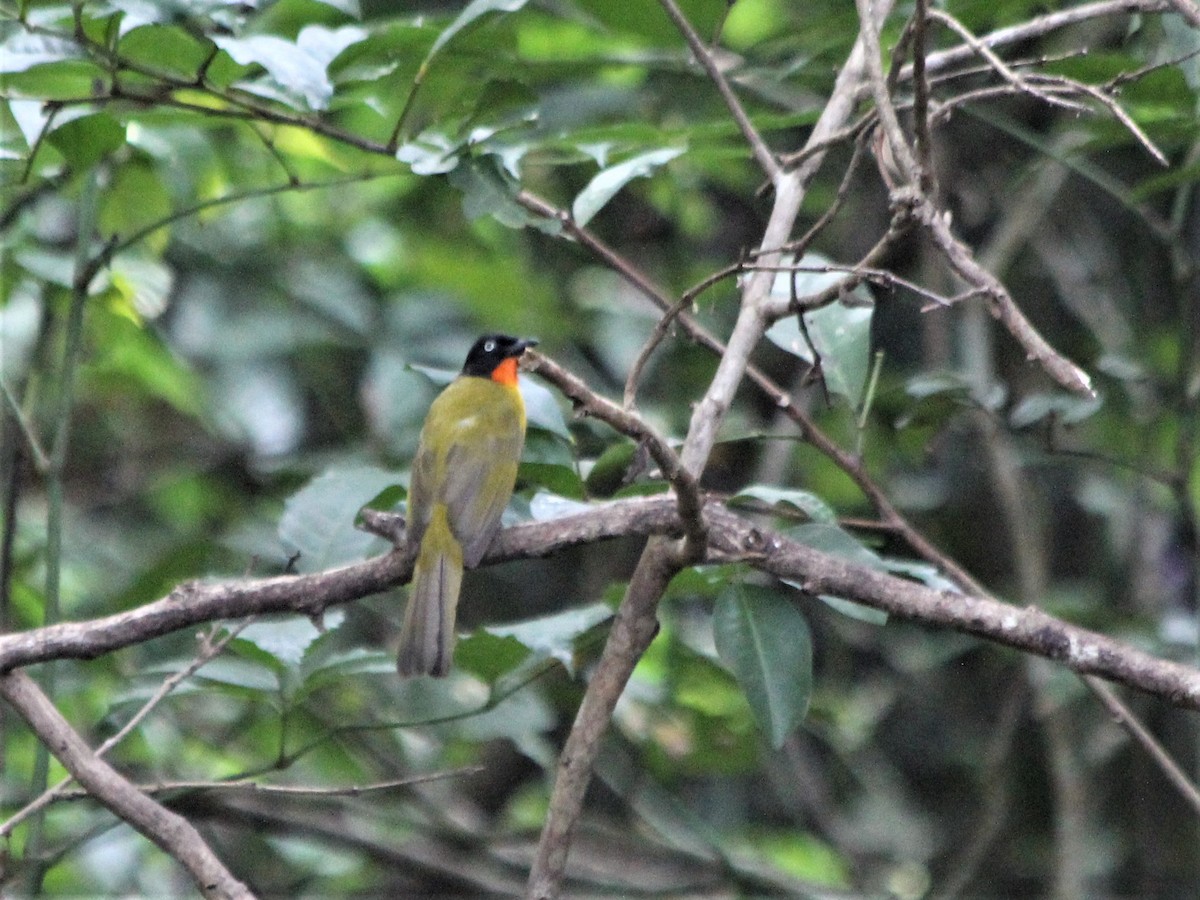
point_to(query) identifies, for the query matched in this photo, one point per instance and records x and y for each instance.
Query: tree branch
(170, 831)
(762, 153)
(958, 256)
(731, 536)
(628, 423)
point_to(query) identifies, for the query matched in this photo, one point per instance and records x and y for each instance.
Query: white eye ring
(489, 346)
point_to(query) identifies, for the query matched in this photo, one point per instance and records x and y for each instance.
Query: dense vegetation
(245, 243)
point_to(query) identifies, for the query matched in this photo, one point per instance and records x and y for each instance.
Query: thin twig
(1127, 720)
(41, 461)
(170, 831)
(1038, 26)
(924, 142)
(762, 153)
(589, 403)
(959, 257)
(247, 785)
(1113, 107)
(1013, 78)
(800, 246)
(208, 650)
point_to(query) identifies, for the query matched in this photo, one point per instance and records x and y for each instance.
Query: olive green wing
(480, 474)
(467, 459)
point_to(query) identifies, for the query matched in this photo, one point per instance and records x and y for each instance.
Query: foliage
(242, 240)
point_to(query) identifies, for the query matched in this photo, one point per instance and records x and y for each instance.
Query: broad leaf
(318, 520)
(803, 501)
(831, 538)
(1065, 408)
(764, 640)
(288, 638)
(473, 11)
(554, 636)
(840, 332)
(604, 186)
(298, 69)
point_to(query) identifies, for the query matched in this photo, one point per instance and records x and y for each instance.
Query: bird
(463, 476)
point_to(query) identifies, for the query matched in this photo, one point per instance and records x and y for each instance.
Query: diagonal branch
(170, 831)
(208, 650)
(589, 403)
(762, 153)
(958, 256)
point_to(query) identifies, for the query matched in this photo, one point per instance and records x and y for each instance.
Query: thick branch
(633, 629)
(170, 831)
(730, 536)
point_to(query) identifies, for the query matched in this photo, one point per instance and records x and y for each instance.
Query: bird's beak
(524, 344)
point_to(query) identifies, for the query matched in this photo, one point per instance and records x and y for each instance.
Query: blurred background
(300, 214)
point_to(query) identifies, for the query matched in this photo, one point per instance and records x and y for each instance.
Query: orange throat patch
(506, 372)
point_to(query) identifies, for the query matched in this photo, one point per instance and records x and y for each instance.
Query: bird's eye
(489, 346)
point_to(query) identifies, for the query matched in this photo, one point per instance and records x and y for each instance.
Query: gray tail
(427, 639)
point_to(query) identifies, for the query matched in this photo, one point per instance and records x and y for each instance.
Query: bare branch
(170, 831)
(249, 786)
(960, 258)
(592, 404)
(1127, 720)
(208, 650)
(1008, 74)
(731, 536)
(1038, 26)
(762, 153)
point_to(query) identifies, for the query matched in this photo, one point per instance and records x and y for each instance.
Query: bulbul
(462, 479)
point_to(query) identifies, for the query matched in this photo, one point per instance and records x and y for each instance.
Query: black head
(491, 350)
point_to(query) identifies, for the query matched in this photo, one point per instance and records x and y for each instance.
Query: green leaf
(840, 332)
(23, 50)
(554, 477)
(131, 359)
(1065, 408)
(542, 408)
(543, 447)
(764, 640)
(604, 186)
(1194, 485)
(489, 656)
(803, 501)
(88, 139)
(804, 856)
(554, 636)
(297, 69)
(288, 638)
(431, 153)
(832, 539)
(240, 673)
(144, 284)
(852, 610)
(136, 199)
(318, 520)
(489, 191)
(607, 473)
(473, 11)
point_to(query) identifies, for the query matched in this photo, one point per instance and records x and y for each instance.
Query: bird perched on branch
(462, 479)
